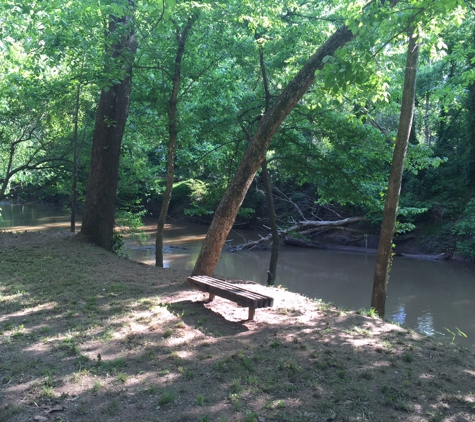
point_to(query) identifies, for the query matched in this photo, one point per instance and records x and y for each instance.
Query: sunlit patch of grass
(47, 393)
(108, 334)
(97, 386)
(362, 331)
(69, 346)
(77, 376)
(121, 377)
(168, 333)
(111, 366)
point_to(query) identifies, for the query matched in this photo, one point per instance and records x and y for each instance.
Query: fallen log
(291, 241)
(439, 257)
(307, 224)
(314, 223)
(251, 244)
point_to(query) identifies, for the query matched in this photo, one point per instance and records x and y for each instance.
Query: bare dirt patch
(87, 336)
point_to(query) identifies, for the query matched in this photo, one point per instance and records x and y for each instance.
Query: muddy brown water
(437, 298)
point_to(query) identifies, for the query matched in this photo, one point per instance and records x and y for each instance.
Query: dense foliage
(331, 155)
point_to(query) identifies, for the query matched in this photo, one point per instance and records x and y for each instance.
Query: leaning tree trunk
(173, 135)
(228, 208)
(112, 111)
(388, 226)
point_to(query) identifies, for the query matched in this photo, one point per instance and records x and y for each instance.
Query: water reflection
(430, 296)
(399, 316)
(425, 324)
(22, 217)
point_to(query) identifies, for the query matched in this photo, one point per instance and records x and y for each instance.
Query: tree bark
(384, 256)
(112, 112)
(228, 208)
(173, 136)
(471, 108)
(274, 257)
(75, 162)
(471, 120)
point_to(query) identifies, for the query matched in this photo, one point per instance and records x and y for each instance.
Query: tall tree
(388, 226)
(112, 111)
(181, 36)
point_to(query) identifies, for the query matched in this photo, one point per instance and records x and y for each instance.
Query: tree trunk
(75, 162)
(173, 135)
(471, 117)
(426, 119)
(383, 260)
(274, 257)
(471, 121)
(228, 208)
(112, 111)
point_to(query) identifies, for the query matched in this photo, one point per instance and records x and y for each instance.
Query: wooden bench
(243, 297)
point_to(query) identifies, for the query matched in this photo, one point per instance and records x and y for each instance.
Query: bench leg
(211, 297)
(252, 312)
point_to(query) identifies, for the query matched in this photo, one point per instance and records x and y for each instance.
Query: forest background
(329, 159)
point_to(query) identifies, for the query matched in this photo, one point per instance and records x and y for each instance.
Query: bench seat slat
(231, 292)
(262, 300)
(238, 290)
(224, 284)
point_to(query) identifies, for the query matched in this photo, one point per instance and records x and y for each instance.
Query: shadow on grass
(86, 336)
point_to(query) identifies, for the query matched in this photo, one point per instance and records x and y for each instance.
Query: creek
(433, 297)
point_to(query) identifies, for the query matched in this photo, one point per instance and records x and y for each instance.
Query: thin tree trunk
(471, 121)
(426, 119)
(274, 257)
(388, 226)
(8, 170)
(173, 135)
(471, 117)
(75, 162)
(112, 111)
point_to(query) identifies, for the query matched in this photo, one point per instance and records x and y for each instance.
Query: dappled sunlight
(14, 321)
(129, 339)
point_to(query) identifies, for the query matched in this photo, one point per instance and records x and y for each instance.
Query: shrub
(465, 229)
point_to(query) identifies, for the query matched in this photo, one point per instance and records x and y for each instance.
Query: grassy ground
(87, 336)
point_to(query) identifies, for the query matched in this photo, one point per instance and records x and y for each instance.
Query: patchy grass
(96, 338)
